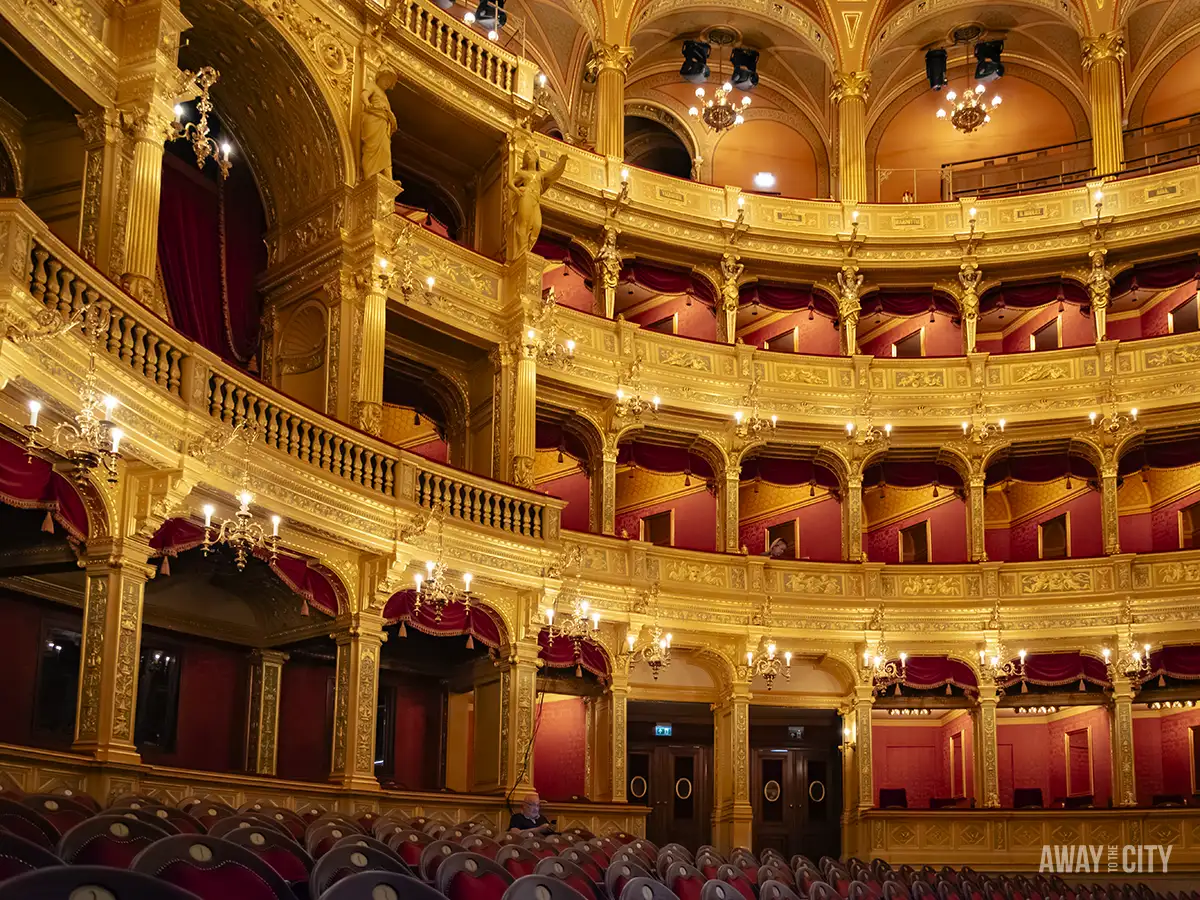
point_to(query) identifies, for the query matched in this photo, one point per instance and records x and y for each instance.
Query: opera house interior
(600, 449)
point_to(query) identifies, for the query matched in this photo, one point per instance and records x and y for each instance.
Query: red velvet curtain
(911, 474)
(456, 618)
(667, 460)
(788, 472)
(210, 247)
(556, 248)
(564, 653)
(664, 280)
(1166, 455)
(926, 673)
(1157, 276)
(908, 303)
(1039, 469)
(1035, 293)
(1175, 662)
(552, 436)
(33, 484)
(1053, 669)
(787, 297)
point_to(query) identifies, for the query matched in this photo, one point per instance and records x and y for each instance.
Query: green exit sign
(662, 729)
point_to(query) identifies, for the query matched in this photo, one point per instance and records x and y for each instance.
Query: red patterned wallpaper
(560, 749)
(576, 490)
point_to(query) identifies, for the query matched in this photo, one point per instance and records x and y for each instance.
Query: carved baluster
(376, 471)
(356, 472)
(139, 349)
(389, 477)
(151, 372)
(51, 295)
(173, 372)
(537, 521)
(293, 435)
(126, 352)
(78, 302)
(38, 279)
(214, 397)
(65, 278)
(114, 333)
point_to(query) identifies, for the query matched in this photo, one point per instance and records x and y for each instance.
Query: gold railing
(45, 771)
(138, 342)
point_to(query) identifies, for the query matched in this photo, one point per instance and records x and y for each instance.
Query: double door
(797, 802)
(676, 783)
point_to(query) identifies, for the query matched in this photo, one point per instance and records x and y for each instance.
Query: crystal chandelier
(999, 667)
(971, 111)
(1114, 421)
(435, 585)
(1129, 660)
(92, 440)
(241, 533)
(882, 672)
(403, 275)
(719, 113)
(754, 424)
(197, 132)
(577, 624)
(542, 340)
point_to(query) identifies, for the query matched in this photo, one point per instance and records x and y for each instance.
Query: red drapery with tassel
(564, 653)
(33, 484)
(1174, 662)
(476, 621)
(1055, 669)
(927, 673)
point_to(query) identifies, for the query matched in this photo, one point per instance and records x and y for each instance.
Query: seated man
(530, 821)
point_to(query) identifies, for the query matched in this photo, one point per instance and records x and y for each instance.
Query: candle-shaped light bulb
(620, 394)
(878, 659)
(595, 621)
(245, 498)
(749, 657)
(981, 655)
(383, 264)
(1146, 647)
(1021, 653)
(209, 509)
(1092, 417)
(971, 213)
(770, 651)
(655, 400)
(110, 403)
(846, 732)
(668, 639)
(467, 576)
(430, 281)
(529, 334)
(1133, 414)
(1137, 656)
(418, 580)
(741, 202)
(849, 428)
(965, 426)
(1105, 653)
(116, 435)
(774, 420)
(887, 428)
(1002, 424)
(1098, 197)
(787, 658)
(570, 346)
(549, 616)
(275, 521)
(584, 606)
(866, 657)
(903, 658)
(631, 639)
(854, 217)
(995, 660)
(624, 175)
(662, 643)
(178, 112)
(226, 148)
(429, 568)
(737, 417)
(34, 409)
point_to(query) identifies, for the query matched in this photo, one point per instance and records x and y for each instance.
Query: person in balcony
(530, 822)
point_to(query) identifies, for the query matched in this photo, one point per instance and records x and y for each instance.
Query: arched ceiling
(269, 99)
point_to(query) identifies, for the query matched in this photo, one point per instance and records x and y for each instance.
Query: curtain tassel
(403, 631)
(48, 523)
(896, 693)
(1024, 687)
(687, 478)
(165, 568)
(304, 606)
(935, 489)
(810, 311)
(1082, 686)
(812, 489)
(578, 671)
(949, 693)
(1162, 682)
(470, 642)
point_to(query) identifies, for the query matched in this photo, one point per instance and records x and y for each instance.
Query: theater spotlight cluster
(970, 110)
(722, 110)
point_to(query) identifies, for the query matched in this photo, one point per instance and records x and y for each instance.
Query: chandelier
(971, 111)
(631, 403)
(575, 625)
(1114, 421)
(1129, 660)
(197, 132)
(867, 434)
(754, 424)
(435, 585)
(999, 667)
(766, 662)
(719, 113)
(979, 430)
(882, 672)
(403, 275)
(92, 440)
(241, 533)
(542, 340)
(652, 646)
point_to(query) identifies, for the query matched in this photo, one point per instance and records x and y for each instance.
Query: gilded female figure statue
(378, 126)
(528, 184)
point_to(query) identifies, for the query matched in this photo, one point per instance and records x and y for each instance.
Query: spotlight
(764, 180)
(490, 14)
(987, 60)
(745, 68)
(935, 68)
(695, 62)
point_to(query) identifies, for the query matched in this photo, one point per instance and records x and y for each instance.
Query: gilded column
(116, 573)
(1102, 57)
(100, 221)
(987, 769)
(1108, 509)
(608, 741)
(612, 63)
(608, 486)
(525, 416)
(849, 95)
(1124, 782)
(863, 780)
(149, 129)
(519, 714)
(732, 813)
(727, 509)
(359, 638)
(266, 679)
(852, 519)
(977, 494)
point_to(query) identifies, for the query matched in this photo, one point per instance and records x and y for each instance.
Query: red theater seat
(276, 849)
(107, 841)
(212, 869)
(685, 881)
(566, 871)
(61, 812)
(26, 823)
(409, 843)
(91, 881)
(374, 885)
(469, 876)
(620, 874)
(776, 890)
(516, 860)
(733, 876)
(18, 856)
(340, 862)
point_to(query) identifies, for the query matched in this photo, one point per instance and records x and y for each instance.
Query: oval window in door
(683, 788)
(816, 791)
(638, 786)
(771, 791)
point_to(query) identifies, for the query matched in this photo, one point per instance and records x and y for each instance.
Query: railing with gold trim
(149, 349)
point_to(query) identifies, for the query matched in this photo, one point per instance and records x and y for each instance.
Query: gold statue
(849, 281)
(378, 126)
(969, 277)
(528, 184)
(608, 264)
(1099, 285)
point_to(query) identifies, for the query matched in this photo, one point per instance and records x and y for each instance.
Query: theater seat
(380, 886)
(685, 881)
(734, 877)
(469, 876)
(433, 855)
(26, 823)
(617, 875)
(211, 868)
(61, 812)
(107, 841)
(362, 840)
(18, 856)
(277, 850)
(91, 881)
(350, 859)
(540, 887)
(566, 871)
(776, 890)
(517, 861)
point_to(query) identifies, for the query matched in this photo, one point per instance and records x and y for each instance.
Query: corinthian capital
(850, 85)
(611, 56)
(1109, 45)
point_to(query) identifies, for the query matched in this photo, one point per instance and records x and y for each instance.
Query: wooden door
(797, 802)
(676, 783)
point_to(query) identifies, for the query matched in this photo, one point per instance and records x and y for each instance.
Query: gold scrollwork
(638, 786)
(682, 785)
